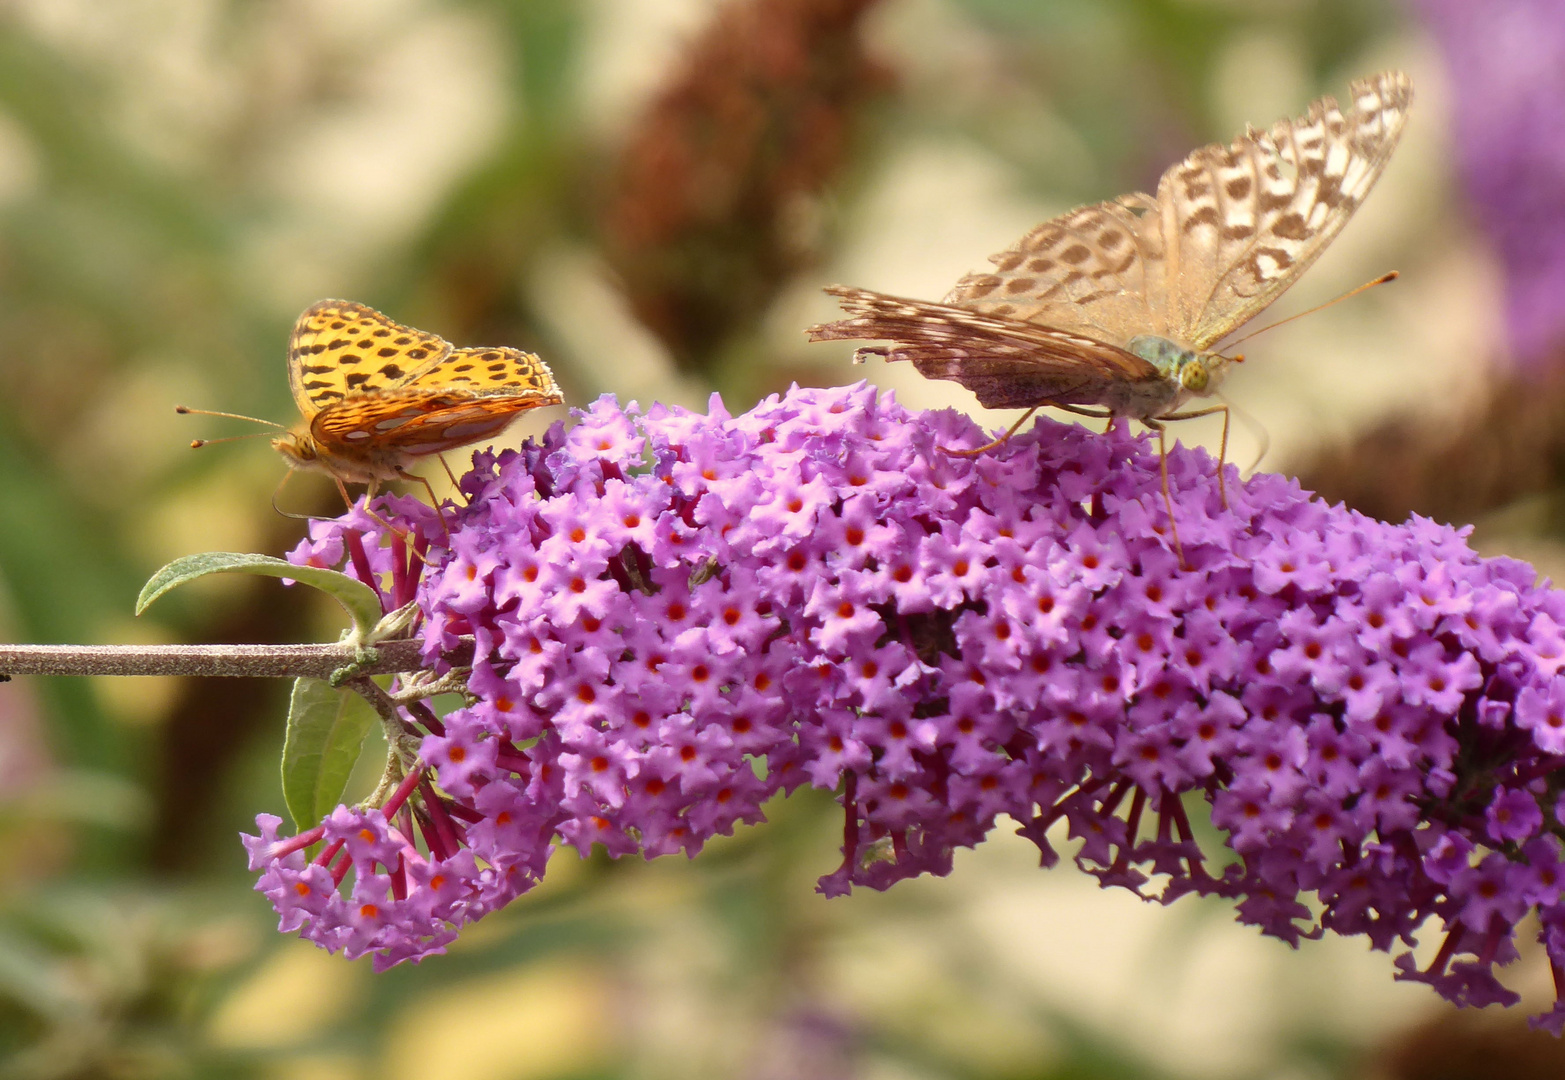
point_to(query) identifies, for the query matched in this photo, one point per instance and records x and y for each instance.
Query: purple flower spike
(676, 617)
(1507, 68)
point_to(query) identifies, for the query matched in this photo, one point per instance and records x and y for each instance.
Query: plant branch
(383, 704)
(253, 661)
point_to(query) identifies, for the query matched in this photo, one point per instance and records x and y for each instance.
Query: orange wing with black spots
(375, 393)
(466, 395)
(340, 349)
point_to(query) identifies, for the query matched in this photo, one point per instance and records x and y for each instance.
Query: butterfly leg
(1096, 414)
(988, 446)
(369, 494)
(452, 476)
(1168, 499)
(1222, 459)
(432, 500)
(1222, 453)
(342, 489)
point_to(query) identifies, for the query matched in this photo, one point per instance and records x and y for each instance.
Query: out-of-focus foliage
(179, 178)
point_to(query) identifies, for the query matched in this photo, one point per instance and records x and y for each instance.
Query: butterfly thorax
(1193, 373)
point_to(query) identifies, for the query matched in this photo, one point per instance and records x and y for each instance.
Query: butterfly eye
(295, 448)
(1193, 376)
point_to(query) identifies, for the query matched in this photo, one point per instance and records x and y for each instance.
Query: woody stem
(254, 661)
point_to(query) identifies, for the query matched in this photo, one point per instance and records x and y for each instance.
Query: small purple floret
(676, 617)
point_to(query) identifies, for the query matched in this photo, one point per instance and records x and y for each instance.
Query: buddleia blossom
(1507, 72)
(674, 617)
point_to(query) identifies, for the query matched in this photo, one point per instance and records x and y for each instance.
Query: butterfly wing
(1090, 271)
(1242, 222)
(497, 372)
(340, 349)
(1007, 363)
(463, 396)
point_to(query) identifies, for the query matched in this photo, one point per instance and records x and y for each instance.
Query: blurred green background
(650, 194)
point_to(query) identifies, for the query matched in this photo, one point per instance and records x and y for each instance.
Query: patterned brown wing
(1090, 271)
(340, 349)
(1242, 222)
(1007, 363)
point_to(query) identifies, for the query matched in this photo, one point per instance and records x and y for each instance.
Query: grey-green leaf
(360, 601)
(326, 730)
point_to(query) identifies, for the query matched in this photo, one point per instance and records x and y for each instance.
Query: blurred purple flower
(678, 616)
(1507, 67)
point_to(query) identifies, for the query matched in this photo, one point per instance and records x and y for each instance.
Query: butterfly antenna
(1390, 275)
(186, 410)
(196, 444)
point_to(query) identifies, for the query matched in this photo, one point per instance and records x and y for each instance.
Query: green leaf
(326, 730)
(361, 602)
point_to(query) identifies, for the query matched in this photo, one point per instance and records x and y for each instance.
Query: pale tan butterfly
(1118, 305)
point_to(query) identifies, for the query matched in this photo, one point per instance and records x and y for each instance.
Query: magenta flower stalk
(678, 616)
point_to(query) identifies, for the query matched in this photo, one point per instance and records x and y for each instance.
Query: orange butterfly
(375, 394)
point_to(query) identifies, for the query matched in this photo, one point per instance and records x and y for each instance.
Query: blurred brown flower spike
(702, 222)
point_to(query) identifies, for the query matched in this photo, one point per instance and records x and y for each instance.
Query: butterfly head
(1198, 374)
(299, 449)
(1201, 373)
(303, 449)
